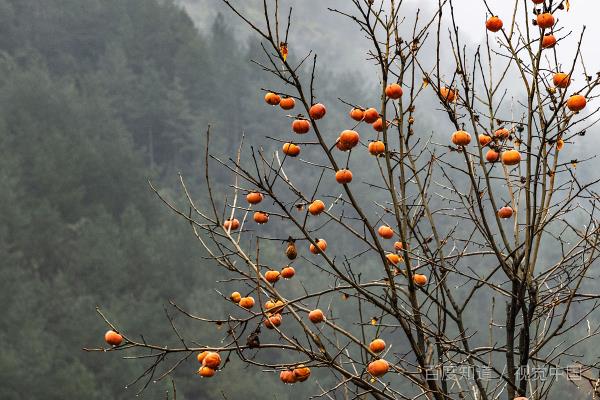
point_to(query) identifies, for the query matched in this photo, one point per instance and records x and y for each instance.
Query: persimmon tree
(472, 249)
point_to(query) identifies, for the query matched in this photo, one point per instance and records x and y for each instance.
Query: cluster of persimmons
(545, 20)
(347, 140)
(560, 80)
(499, 149)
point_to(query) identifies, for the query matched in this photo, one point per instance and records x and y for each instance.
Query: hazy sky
(342, 48)
(338, 41)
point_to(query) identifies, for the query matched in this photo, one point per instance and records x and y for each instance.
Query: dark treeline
(95, 98)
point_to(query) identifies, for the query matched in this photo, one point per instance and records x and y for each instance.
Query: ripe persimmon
(561, 80)
(378, 125)
(505, 212)
(492, 155)
(385, 232)
(288, 272)
(254, 197)
(502, 133)
(399, 246)
(484, 139)
(247, 302)
(494, 24)
(420, 279)
(377, 147)
(316, 316)
(261, 217)
(288, 377)
(448, 94)
(301, 373)
(206, 372)
(511, 157)
(316, 207)
(273, 321)
(317, 111)
(231, 224)
(235, 297)
(378, 368)
(321, 243)
(371, 115)
(200, 356)
(357, 114)
(461, 138)
(272, 276)
(343, 176)
(349, 139)
(290, 149)
(272, 98)
(301, 126)
(393, 91)
(548, 41)
(212, 360)
(545, 20)
(377, 346)
(287, 103)
(576, 102)
(393, 259)
(113, 338)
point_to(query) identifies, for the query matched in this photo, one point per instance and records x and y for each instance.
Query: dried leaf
(560, 144)
(345, 296)
(425, 82)
(291, 251)
(374, 321)
(567, 4)
(284, 50)
(253, 341)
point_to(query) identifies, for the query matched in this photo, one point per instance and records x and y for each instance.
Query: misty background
(97, 97)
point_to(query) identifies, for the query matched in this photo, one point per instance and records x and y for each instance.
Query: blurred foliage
(97, 97)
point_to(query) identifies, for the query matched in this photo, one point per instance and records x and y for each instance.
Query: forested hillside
(96, 97)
